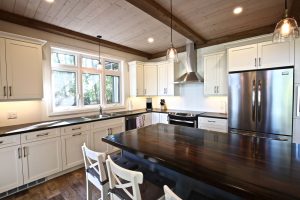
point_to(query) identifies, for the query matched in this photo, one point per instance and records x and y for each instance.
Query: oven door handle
(184, 121)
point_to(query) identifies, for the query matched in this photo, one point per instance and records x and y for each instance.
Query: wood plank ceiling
(129, 22)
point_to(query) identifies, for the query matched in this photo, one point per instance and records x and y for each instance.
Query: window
(79, 83)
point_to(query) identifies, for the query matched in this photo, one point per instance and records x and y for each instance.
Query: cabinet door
(170, 75)
(155, 118)
(162, 78)
(41, 159)
(24, 70)
(211, 66)
(71, 148)
(163, 118)
(222, 75)
(242, 58)
(297, 61)
(140, 80)
(148, 119)
(96, 139)
(296, 134)
(11, 168)
(278, 54)
(3, 83)
(114, 129)
(150, 80)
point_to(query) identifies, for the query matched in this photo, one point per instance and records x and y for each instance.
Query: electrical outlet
(12, 115)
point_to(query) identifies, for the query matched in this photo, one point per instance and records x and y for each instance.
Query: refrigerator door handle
(253, 100)
(259, 101)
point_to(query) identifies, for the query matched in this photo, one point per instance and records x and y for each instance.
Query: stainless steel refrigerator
(261, 101)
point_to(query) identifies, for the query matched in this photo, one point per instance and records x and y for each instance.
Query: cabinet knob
(10, 91)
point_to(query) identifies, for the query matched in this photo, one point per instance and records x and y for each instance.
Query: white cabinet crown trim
(22, 38)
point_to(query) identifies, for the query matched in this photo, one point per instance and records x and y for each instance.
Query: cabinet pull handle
(24, 150)
(78, 128)
(1, 142)
(42, 134)
(4, 88)
(255, 62)
(211, 121)
(19, 152)
(259, 61)
(10, 91)
(218, 89)
(215, 90)
(166, 90)
(76, 134)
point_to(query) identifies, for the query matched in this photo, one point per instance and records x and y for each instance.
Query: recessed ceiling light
(237, 10)
(50, 1)
(150, 40)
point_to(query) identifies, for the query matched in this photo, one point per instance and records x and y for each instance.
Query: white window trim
(79, 70)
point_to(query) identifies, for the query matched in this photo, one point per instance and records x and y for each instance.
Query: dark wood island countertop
(250, 167)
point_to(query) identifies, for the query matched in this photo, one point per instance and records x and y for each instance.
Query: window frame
(79, 71)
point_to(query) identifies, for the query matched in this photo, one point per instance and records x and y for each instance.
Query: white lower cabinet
(11, 168)
(212, 124)
(41, 159)
(71, 148)
(296, 132)
(160, 118)
(103, 128)
(155, 118)
(148, 119)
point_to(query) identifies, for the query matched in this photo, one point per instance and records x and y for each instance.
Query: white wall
(33, 111)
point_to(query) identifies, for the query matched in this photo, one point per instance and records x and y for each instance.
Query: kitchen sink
(104, 115)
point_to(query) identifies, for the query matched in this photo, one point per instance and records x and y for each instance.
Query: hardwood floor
(69, 186)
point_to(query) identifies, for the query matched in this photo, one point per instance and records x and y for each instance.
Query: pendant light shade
(172, 52)
(99, 66)
(286, 29)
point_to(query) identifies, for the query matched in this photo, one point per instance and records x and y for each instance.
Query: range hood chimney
(191, 75)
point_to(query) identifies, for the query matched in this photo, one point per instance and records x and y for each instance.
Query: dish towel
(140, 121)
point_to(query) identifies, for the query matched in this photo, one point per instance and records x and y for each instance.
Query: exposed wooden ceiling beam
(32, 23)
(229, 38)
(158, 12)
(295, 10)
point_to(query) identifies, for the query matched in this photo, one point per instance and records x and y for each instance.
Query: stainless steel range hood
(191, 75)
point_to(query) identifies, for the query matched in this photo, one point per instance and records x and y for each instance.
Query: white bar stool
(169, 194)
(95, 172)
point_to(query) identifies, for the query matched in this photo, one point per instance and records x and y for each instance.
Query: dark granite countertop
(249, 167)
(24, 128)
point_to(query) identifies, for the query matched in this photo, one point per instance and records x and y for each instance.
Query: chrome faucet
(100, 110)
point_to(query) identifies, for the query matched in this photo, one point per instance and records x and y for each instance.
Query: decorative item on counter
(163, 104)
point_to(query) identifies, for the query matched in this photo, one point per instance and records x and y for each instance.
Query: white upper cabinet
(165, 74)
(275, 54)
(297, 61)
(261, 55)
(21, 70)
(150, 79)
(242, 58)
(136, 74)
(215, 74)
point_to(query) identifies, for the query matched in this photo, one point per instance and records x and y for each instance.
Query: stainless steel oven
(183, 119)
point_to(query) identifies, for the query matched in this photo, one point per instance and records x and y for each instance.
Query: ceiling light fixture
(172, 52)
(50, 1)
(286, 29)
(99, 66)
(237, 10)
(150, 40)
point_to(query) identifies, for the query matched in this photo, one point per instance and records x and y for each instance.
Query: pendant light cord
(171, 23)
(286, 9)
(99, 37)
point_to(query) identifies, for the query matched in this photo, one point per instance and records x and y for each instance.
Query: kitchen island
(249, 167)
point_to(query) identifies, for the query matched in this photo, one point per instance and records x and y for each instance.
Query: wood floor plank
(70, 186)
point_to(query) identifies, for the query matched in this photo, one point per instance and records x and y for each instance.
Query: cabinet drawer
(213, 124)
(108, 123)
(40, 135)
(9, 141)
(75, 129)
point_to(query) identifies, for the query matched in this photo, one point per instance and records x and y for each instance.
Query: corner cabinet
(260, 56)
(20, 70)
(215, 74)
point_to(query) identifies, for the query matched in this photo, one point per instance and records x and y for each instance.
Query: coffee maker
(149, 104)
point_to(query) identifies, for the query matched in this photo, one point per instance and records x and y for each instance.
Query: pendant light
(286, 29)
(99, 66)
(172, 52)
